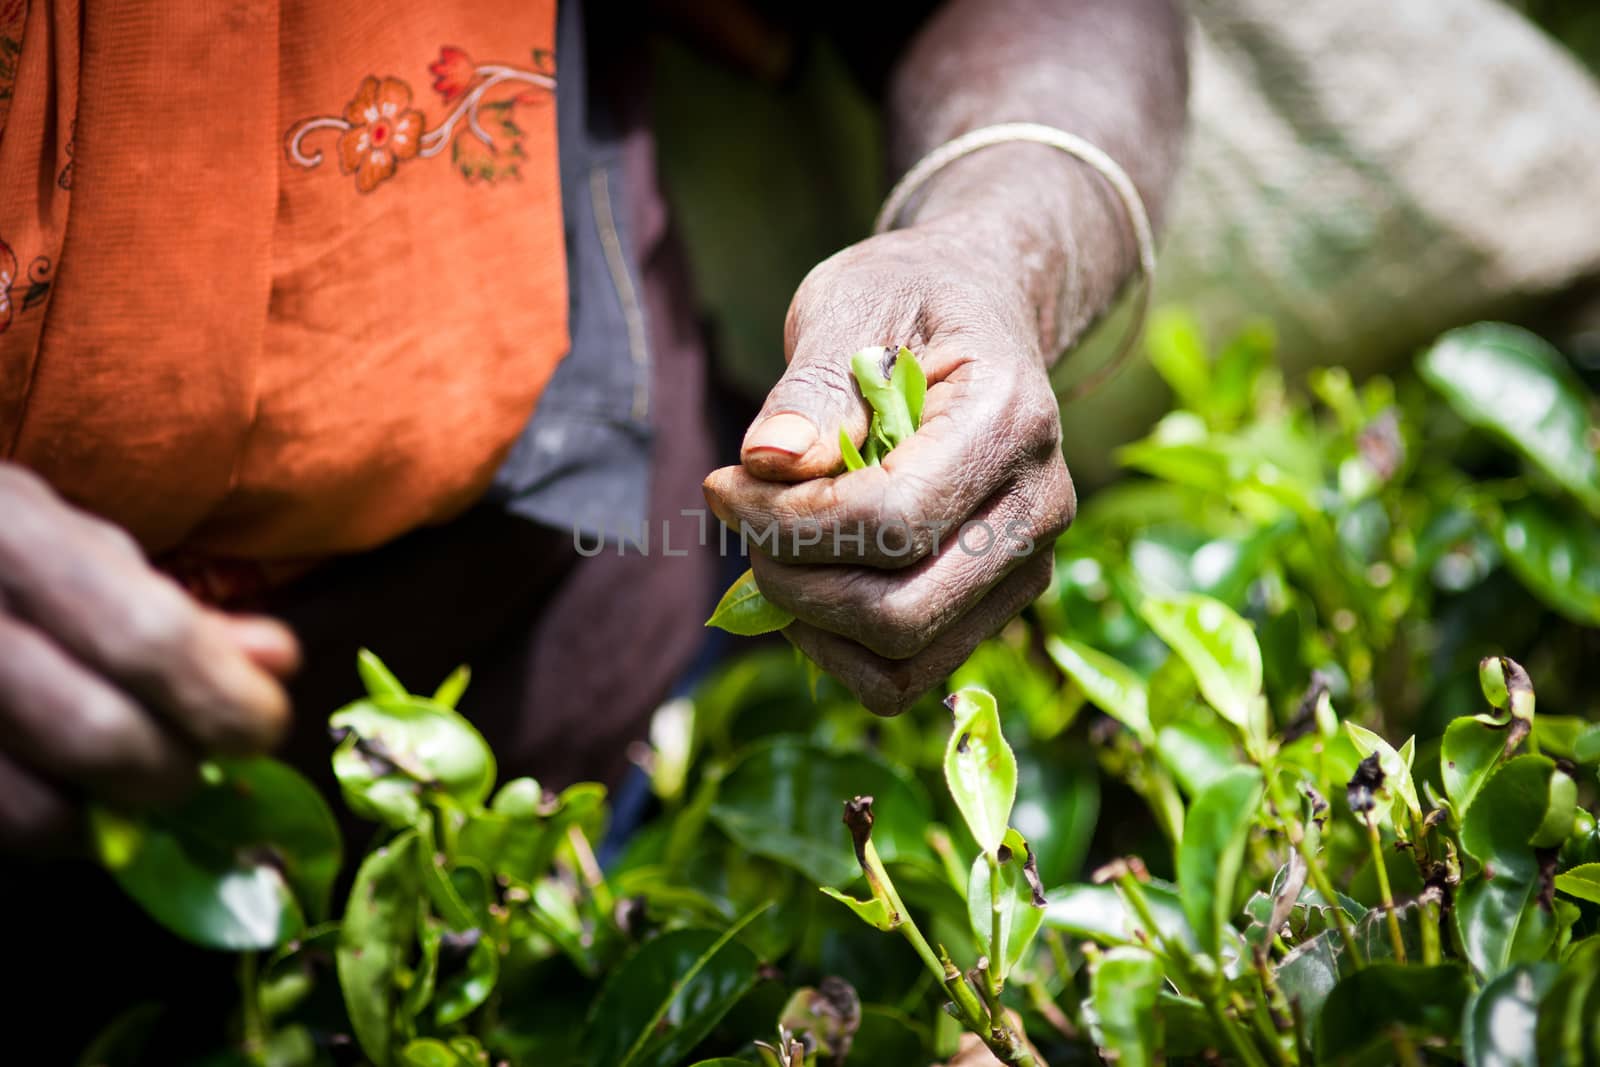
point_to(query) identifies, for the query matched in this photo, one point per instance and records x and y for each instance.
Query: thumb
(796, 436)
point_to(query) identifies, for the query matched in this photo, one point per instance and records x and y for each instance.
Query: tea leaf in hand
(744, 611)
(891, 389)
(911, 383)
(847, 449)
(980, 768)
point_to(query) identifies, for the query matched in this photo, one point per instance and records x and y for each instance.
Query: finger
(69, 725)
(890, 686)
(899, 613)
(33, 813)
(796, 435)
(982, 427)
(267, 643)
(118, 617)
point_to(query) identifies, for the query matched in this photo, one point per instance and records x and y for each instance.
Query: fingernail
(788, 433)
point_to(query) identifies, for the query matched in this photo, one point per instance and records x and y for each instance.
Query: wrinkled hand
(893, 612)
(113, 682)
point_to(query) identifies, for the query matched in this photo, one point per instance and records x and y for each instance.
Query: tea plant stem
(1382, 871)
(1050, 1011)
(593, 877)
(1431, 953)
(1207, 987)
(254, 1024)
(973, 1016)
(997, 946)
(1242, 1045)
(1296, 834)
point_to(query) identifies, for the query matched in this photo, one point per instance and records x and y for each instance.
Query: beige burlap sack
(1366, 174)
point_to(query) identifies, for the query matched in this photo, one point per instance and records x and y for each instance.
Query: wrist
(1045, 222)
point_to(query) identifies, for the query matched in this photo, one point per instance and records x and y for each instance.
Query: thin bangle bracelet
(1075, 146)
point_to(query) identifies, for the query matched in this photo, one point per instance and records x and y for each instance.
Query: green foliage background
(1277, 815)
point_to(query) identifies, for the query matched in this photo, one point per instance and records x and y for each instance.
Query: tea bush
(1259, 780)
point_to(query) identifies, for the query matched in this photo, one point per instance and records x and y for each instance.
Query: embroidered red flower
(384, 129)
(8, 278)
(453, 73)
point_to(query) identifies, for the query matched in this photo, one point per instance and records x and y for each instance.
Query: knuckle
(105, 737)
(901, 625)
(156, 630)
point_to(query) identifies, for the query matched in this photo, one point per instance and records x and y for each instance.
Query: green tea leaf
(1367, 1007)
(1220, 648)
(452, 688)
(393, 751)
(432, 1052)
(1122, 992)
(874, 911)
(375, 941)
(1497, 913)
(1098, 912)
(979, 767)
(780, 799)
(237, 865)
(1398, 784)
(1566, 1033)
(1178, 353)
(847, 449)
(378, 679)
(665, 998)
(462, 992)
(1556, 555)
(1470, 751)
(1517, 387)
(1498, 1028)
(1115, 688)
(744, 611)
(1197, 753)
(1309, 972)
(1212, 851)
(876, 378)
(1582, 882)
(1022, 903)
(1586, 749)
(911, 383)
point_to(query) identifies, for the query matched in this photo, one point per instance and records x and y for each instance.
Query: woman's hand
(113, 681)
(895, 573)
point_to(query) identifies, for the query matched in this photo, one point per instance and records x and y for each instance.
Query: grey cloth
(584, 458)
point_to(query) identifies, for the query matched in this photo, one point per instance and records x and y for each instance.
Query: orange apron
(279, 279)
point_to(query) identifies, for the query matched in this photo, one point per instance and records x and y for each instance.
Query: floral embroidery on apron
(379, 129)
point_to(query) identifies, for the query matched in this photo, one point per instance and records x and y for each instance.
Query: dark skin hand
(1004, 259)
(114, 683)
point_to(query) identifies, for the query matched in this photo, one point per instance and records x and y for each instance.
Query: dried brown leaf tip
(1030, 871)
(858, 820)
(1116, 869)
(1364, 785)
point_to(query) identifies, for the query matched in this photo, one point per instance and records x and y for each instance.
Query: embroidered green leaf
(744, 611)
